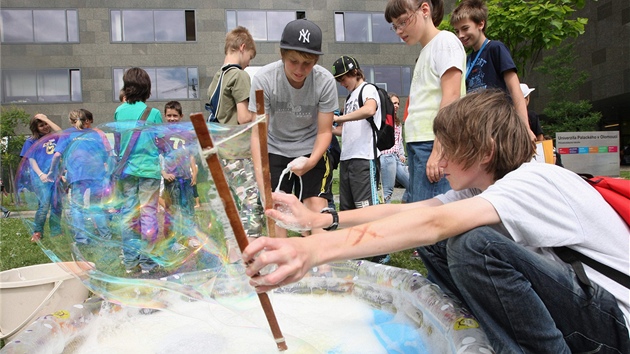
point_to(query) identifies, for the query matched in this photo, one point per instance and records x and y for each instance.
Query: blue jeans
(48, 199)
(180, 204)
(525, 302)
(392, 171)
(139, 226)
(95, 211)
(420, 188)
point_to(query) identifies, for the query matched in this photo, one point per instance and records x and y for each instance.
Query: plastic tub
(30, 292)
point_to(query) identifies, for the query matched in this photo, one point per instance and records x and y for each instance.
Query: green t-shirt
(143, 160)
(235, 89)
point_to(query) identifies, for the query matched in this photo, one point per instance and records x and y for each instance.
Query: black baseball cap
(344, 64)
(302, 35)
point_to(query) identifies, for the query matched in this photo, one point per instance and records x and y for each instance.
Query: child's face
(245, 57)
(43, 128)
(297, 68)
(396, 102)
(470, 33)
(348, 82)
(172, 116)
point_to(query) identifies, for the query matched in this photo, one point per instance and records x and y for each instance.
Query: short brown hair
(137, 85)
(480, 124)
(237, 37)
(174, 105)
(475, 10)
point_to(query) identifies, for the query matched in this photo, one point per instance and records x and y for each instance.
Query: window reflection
(363, 27)
(39, 26)
(153, 25)
(263, 25)
(166, 83)
(47, 85)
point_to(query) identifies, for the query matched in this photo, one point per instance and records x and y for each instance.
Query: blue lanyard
(471, 64)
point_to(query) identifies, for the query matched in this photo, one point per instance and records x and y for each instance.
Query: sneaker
(7, 213)
(36, 236)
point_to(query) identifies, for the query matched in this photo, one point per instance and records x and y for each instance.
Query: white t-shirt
(543, 205)
(443, 52)
(357, 138)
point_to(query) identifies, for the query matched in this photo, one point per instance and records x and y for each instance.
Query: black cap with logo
(302, 35)
(344, 64)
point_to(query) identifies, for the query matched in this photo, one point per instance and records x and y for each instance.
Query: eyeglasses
(401, 26)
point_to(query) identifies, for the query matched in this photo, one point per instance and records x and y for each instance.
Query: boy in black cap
(300, 98)
(358, 171)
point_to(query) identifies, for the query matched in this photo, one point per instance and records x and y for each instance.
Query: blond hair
(303, 55)
(481, 124)
(236, 38)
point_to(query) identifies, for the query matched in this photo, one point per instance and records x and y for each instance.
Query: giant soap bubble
(94, 222)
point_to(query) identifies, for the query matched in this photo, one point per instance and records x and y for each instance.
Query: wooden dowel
(214, 165)
(264, 158)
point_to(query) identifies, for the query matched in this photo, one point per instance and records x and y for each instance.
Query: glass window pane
(276, 21)
(118, 82)
(116, 19)
(230, 19)
(138, 26)
(170, 26)
(19, 86)
(172, 83)
(75, 86)
(73, 25)
(406, 80)
(255, 22)
(389, 75)
(17, 26)
(340, 35)
(53, 85)
(193, 83)
(191, 25)
(381, 32)
(154, 83)
(356, 27)
(50, 26)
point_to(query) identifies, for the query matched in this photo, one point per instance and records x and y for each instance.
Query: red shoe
(36, 236)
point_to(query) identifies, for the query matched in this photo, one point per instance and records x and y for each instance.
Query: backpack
(384, 136)
(213, 105)
(616, 192)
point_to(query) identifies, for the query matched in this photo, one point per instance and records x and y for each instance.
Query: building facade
(60, 55)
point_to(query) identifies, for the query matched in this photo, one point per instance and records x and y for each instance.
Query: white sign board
(595, 153)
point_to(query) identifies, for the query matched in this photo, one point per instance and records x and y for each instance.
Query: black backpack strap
(576, 259)
(216, 94)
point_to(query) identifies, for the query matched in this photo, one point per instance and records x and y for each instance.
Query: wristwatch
(335, 222)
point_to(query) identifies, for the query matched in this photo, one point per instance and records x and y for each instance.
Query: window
(153, 26)
(45, 85)
(363, 27)
(394, 79)
(39, 26)
(173, 83)
(263, 25)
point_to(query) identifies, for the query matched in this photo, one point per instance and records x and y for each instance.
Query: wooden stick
(264, 158)
(214, 165)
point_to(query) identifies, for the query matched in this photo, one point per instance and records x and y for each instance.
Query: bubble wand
(214, 165)
(264, 158)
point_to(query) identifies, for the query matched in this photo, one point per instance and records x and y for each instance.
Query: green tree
(11, 143)
(527, 27)
(563, 115)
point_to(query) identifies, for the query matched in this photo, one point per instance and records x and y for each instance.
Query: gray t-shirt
(293, 112)
(542, 206)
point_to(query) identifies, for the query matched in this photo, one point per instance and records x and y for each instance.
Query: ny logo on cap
(305, 36)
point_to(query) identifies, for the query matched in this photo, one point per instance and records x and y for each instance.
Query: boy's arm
(366, 111)
(404, 230)
(513, 85)
(243, 115)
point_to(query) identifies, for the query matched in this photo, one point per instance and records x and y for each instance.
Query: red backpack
(616, 191)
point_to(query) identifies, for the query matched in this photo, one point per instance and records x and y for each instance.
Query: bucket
(30, 292)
